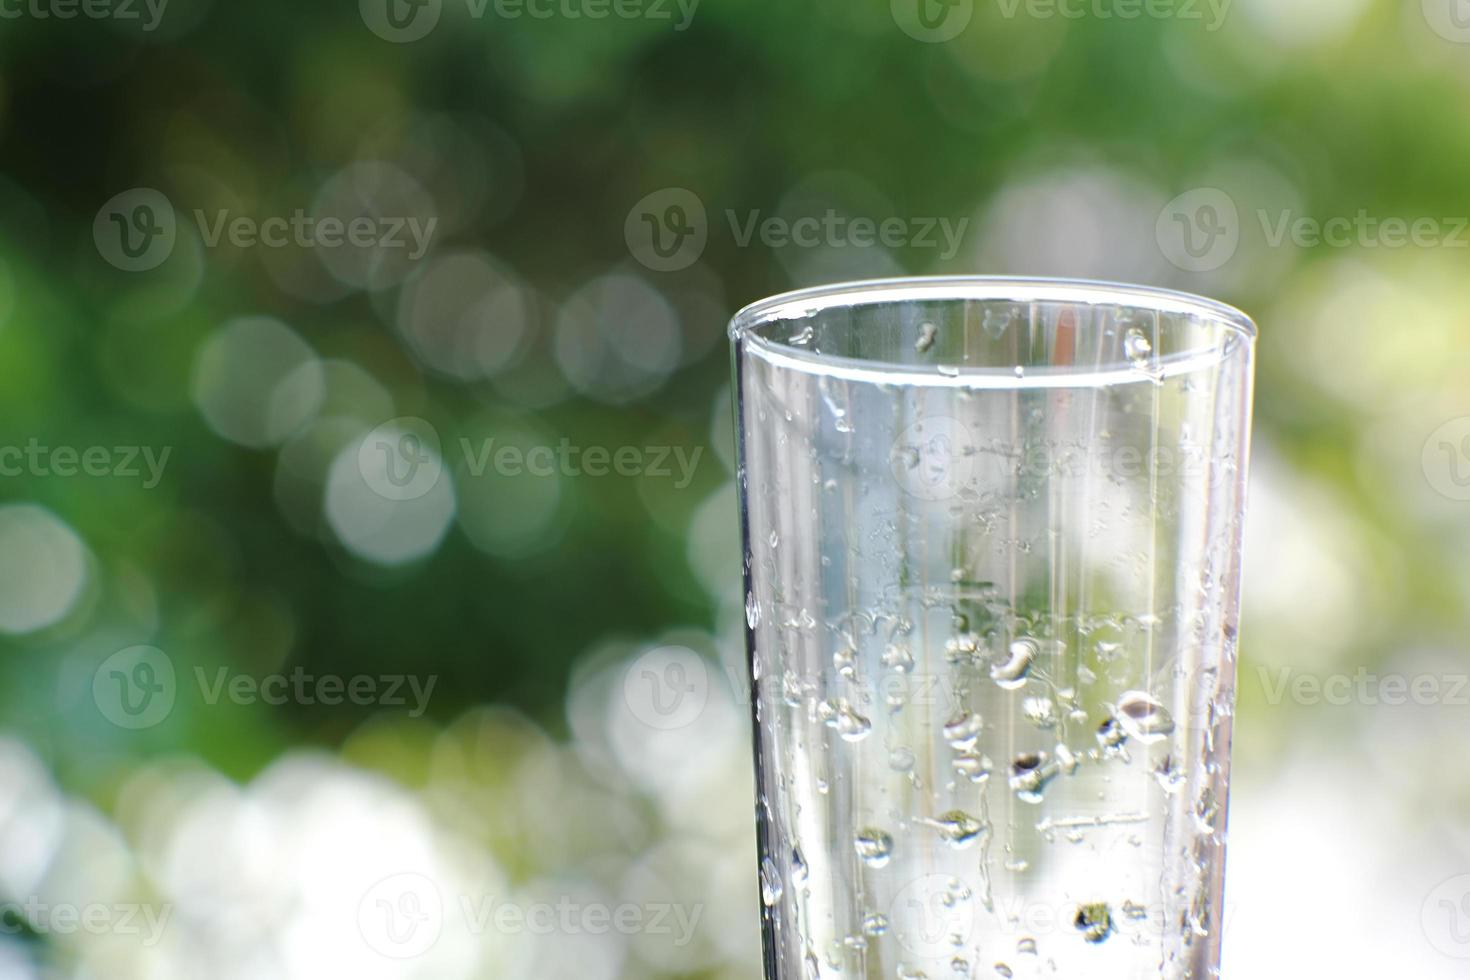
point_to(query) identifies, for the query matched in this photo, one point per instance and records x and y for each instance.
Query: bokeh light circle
(43, 569)
(466, 315)
(617, 339)
(377, 528)
(256, 382)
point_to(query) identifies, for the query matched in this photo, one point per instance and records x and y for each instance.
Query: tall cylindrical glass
(992, 559)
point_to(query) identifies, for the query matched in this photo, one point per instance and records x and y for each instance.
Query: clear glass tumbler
(992, 558)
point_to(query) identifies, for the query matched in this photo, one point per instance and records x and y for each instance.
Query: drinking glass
(992, 561)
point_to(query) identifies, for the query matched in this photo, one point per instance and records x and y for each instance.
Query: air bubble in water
(875, 847)
(963, 730)
(1144, 718)
(1013, 673)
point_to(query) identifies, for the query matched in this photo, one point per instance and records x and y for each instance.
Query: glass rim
(1019, 289)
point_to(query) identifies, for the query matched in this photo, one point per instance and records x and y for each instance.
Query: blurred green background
(204, 452)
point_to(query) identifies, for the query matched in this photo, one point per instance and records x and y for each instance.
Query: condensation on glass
(992, 557)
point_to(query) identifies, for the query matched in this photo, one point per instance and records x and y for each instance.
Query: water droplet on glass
(1095, 922)
(875, 847)
(1169, 775)
(961, 649)
(1029, 776)
(975, 768)
(752, 611)
(997, 322)
(770, 883)
(959, 828)
(1013, 673)
(839, 716)
(1144, 718)
(949, 370)
(1002, 970)
(1110, 734)
(963, 730)
(897, 657)
(793, 690)
(1136, 347)
(875, 924)
(1026, 946)
(845, 663)
(927, 333)
(1041, 712)
(799, 871)
(1067, 760)
(901, 759)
